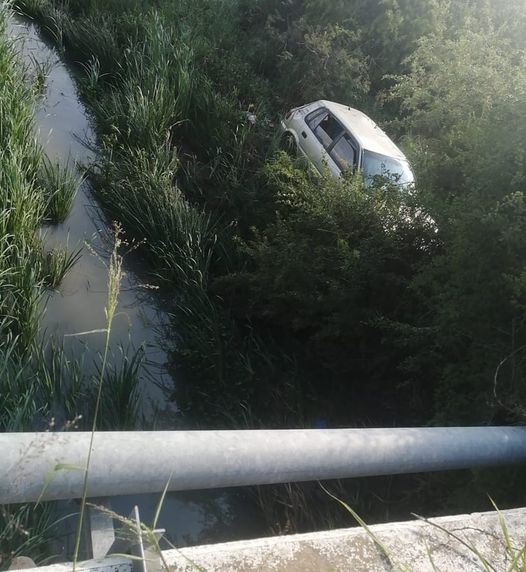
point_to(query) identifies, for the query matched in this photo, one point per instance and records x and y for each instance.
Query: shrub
(337, 259)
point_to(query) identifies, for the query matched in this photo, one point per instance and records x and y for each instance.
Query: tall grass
(114, 285)
(56, 264)
(25, 531)
(41, 73)
(120, 407)
(52, 19)
(60, 185)
(139, 189)
(156, 109)
(41, 386)
(21, 200)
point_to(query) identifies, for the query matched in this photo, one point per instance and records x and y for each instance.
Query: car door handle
(304, 135)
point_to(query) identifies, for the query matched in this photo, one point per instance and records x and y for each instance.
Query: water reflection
(196, 517)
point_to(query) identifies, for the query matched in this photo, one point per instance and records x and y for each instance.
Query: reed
(40, 75)
(114, 284)
(60, 185)
(56, 263)
(120, 406)
(21, 200)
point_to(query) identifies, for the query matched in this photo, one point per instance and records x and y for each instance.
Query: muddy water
(77, 306)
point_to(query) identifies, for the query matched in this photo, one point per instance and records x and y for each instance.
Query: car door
(344, 152)
(323, 134)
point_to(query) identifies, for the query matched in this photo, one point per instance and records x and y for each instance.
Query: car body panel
(360, 133)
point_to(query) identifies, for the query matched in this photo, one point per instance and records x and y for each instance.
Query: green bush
(464, 119)
(335, 262)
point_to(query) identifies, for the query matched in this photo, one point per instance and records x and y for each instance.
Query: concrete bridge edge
(447, 544)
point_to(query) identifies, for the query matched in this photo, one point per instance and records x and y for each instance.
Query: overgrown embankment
(237, 232)
(307, 301)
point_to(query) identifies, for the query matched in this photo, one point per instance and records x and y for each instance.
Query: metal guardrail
(50, 466)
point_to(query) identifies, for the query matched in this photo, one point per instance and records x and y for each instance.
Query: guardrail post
(102, 532)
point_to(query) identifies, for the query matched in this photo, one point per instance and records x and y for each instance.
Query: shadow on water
(78, 304)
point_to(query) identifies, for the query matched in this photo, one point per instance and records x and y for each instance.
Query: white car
(338, 137)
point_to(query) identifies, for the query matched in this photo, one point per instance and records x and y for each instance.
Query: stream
(66, 134)
(77, 306)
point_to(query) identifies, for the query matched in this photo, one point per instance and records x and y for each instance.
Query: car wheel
(288, 144)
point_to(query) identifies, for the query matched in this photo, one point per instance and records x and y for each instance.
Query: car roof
(369, 134)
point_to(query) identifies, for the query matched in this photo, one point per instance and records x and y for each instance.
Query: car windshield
(377, 165)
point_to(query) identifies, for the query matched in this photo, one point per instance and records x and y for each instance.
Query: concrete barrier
(447, 544)
(412, 546)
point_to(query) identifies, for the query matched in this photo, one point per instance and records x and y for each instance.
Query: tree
(463, 101)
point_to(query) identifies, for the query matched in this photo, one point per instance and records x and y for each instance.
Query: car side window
(328, 130)
(314, 118)
(325, 127)
(343, 153)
